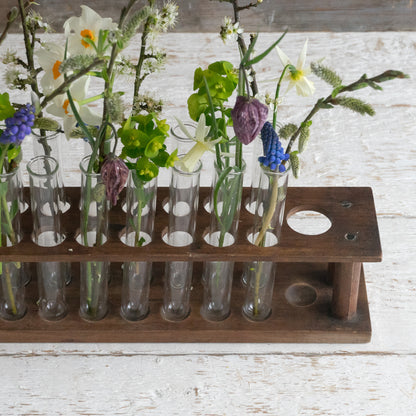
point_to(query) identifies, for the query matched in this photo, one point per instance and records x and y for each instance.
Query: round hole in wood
(350, 236)
(301, 295)
(308, 222)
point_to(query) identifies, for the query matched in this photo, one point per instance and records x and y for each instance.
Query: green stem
(242, 45)
(109, 78)
(239, 154)
(4, 268)
(260, 240)
(12, 235)
(9, 286)
(257, 288)
(276, 96)
(269, 215)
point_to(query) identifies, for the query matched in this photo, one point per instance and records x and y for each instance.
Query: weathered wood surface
(270, 16)
(378, 378)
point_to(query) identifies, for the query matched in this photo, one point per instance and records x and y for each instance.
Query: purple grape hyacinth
(274, 153)
(114, 174)
(18, 126)
(248, 117)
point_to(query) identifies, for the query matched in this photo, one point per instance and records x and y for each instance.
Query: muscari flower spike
(248, 117)
(114, 174)
(274, 153)
(18, 126)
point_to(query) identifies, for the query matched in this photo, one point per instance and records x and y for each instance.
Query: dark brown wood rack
(319, 296)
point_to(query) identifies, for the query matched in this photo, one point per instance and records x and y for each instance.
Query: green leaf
(153, 147)
(324, 105)
(90, 42)
(132, 137)
(13, 153)
(14, 209)
(375, 86)
(146, 169)
(197, 78)
(212, 110)
(336, 91)
(249, 51)
(258, 58)
(221, 67)
(166, 160)
(6, 109)
(101, 40)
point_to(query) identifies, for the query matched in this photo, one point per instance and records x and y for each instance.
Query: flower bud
(114, 174)
(248, 116)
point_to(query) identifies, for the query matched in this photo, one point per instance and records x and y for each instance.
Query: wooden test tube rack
(319, 295)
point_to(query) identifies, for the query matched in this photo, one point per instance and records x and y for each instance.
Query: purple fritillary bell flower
(114, 174)
(248, 116)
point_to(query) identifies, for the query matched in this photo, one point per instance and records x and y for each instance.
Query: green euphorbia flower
(6, 109)
(143, 137)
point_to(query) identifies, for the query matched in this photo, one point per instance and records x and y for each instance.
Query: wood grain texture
(270, 16)
(353, 235)
(378, 378)
(289, 322)
(197, 384)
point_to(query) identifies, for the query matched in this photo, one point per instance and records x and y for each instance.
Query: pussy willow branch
(138, 68)
(363, 82)
(11, 17)
(10, 20)
(241, 42)
(28, 49)
(114, 52)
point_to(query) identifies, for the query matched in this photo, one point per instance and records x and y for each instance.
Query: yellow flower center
(55, 69)
(147, 172)
(296, 75)
(86, 33)
(65, 106)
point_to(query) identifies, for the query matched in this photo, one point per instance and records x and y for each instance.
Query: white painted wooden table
(378, 378)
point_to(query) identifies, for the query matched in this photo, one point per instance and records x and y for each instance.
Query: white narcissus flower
(189, 161)
(88, 25)
(50, 57)
(62, 108)
(296, 75)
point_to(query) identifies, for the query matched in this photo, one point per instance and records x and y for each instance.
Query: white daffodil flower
(88, 25)
(296, 75)
(60, 107)
(50, 57)
(189, 161)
